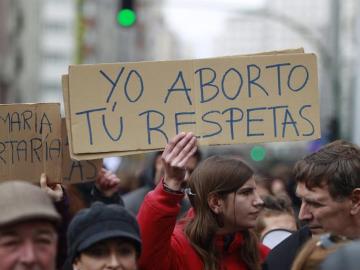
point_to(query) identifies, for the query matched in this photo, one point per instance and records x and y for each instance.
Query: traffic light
(258, 153)
(126, 15)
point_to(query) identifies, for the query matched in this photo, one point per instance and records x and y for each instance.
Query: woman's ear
(215, 203)
(355, 202)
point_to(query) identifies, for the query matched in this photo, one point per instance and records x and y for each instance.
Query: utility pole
(356, 101)
(335, 70)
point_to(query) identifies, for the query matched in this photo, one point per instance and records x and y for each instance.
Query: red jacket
(164, 244)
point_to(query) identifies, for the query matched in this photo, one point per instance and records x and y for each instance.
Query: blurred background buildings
(40, 38)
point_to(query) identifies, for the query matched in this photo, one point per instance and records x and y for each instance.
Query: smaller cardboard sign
(30, 142)
(74, 171)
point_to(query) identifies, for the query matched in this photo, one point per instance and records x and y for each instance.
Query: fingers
(179, 148)
(108, 175)
(172, 143)
(43, 181)
(107, 180)
(101, 173)
(113, 180)
(187, 150)
(58, 187)
(189, 155)
(55, 191)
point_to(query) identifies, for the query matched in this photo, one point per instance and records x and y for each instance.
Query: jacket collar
(230, 242)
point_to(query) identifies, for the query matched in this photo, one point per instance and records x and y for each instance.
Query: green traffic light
(126, 17)
(258, 153)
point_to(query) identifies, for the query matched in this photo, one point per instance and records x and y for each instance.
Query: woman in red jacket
(216, 233)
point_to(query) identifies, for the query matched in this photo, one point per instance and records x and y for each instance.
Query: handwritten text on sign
(74, 171)
(30, 141)
(138, 106)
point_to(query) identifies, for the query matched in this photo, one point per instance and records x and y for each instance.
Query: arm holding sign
(57, 193)
(175, 156)
(163, 244)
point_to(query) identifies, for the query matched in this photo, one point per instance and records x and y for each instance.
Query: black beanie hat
(100, 222)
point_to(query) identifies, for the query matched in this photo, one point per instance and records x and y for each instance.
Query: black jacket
(283, 255)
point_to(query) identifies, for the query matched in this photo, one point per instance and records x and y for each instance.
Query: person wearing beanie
(28, 222)
(104, 236)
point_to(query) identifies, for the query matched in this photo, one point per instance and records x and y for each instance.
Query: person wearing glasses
(328, 185)
(216, 233)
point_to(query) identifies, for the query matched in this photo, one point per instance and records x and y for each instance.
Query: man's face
(321, 212)
(28, 246)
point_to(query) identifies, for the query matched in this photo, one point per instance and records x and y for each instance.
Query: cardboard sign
(30, 142)
(137, 107)
(74, 171)
(65, 87)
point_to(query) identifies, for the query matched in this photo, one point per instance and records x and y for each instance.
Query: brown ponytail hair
(219, 175)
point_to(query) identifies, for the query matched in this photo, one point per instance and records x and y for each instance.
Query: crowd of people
(211, 214)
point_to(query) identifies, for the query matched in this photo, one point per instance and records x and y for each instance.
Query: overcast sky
(197, 22)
